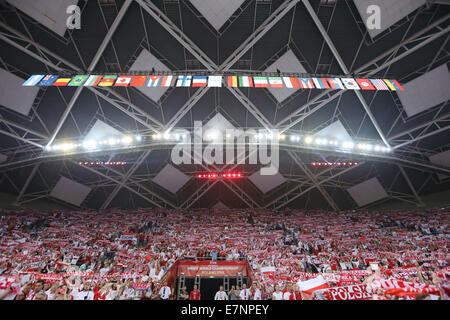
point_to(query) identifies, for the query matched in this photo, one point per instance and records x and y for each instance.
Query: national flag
(215, 81)
(260, 82)
(138, 81)
(365, 84)
(167, 81)
(62, 82)
(77, 81)
(321, 83)
(276, 82)
(267, 270)
(306, 83)
(107, 81)
(379, 84)
(33, 80)
(232, 81)
(393, 86)
(245, 82)
(199, 81)
(312, 285)
(291, 82)
(350, 84)
(335, 83)
(123, 81)
(154, 81)
(398, 85)
(48, 80)
(93, 81)
(184, 81)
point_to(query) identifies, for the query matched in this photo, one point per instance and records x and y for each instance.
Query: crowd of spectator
(125, 254)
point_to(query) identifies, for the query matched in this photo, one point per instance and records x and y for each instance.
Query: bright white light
(166, 135)
(360, 146)
(348, 145)
(324, 141)
(67, 146)
(292, 138)
(388, 149)
(282, 137)
(318, 141)
(48, 148)
(138, 138)
(308, 140)
(377, 148)
(112, 141)
(89, 144)
(127, 140)
(368, 147)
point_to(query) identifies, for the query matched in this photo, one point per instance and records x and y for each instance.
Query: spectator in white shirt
(245, 293)
(221, 295)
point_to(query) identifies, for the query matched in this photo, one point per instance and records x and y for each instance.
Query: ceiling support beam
(291, 196)
(152, 201)
(91, 67)
(408, 181)
(381, 62)
(344, 68)
(27, 183)
(125, 178)
(313, 179)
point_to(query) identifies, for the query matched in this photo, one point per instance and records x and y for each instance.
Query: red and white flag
(312, 285)
(123, 81)
(291, 82)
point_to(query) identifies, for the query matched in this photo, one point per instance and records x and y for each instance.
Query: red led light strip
(225, 175)
(98, 163)
(335, 164)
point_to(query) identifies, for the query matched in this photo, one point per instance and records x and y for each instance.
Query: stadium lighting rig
(96, 145)
(256, 138)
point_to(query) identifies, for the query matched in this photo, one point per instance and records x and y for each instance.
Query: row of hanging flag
(213, 81)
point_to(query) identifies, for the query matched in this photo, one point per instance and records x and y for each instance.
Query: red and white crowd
(294, 254)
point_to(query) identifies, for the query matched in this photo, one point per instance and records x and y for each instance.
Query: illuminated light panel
(335, 164)
(102, 163)
(224, 175)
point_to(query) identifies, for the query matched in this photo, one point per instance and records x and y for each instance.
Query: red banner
(212, 268)
(355, 292)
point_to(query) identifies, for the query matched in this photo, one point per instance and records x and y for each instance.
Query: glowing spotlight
(308, 140)
(112, 142)
(127, 140)
(348, 145)
(138, 138)
(90, 144)
(282, 137)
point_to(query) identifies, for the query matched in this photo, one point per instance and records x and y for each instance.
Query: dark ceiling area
(327, 37)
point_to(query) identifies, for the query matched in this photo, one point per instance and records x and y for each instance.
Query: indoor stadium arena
(224, 150)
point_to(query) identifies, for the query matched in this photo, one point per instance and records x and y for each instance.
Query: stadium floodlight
(90, 144)
(112, 141)
(324, 141)
(348, 145)
(282, 137)
(308, 140)
(138, 138)
(127, 140)
(166, 135)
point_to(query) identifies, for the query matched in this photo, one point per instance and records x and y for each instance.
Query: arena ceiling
(325, 37)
